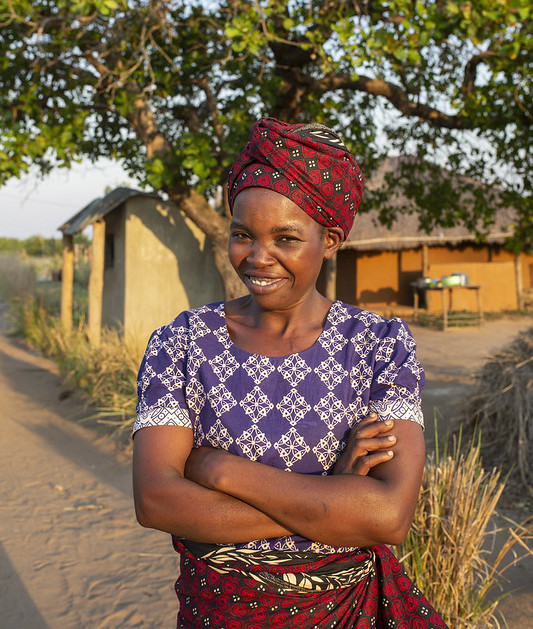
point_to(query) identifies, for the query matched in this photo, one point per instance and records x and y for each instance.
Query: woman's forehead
(269, 207)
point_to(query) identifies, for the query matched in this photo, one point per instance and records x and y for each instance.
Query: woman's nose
(260, 254)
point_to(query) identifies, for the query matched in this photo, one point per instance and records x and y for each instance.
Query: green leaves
(183, 82)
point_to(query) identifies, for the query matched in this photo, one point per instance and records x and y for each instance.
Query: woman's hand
(367, 445)
(204, 466)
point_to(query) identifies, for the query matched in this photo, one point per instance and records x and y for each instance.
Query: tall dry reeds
(501, 409)
(447, 551)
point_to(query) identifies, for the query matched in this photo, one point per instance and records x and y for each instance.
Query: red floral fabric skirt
(364, 590)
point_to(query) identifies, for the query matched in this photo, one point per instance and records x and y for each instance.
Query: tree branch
(377, 87)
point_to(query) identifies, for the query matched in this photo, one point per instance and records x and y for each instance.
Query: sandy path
(71, 552)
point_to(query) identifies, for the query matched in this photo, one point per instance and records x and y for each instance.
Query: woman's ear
(334, 238)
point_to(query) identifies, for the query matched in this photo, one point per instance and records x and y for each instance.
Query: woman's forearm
(166, 500)
(185, 509)
(340, 510)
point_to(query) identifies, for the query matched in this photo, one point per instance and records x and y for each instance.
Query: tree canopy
(171, 89)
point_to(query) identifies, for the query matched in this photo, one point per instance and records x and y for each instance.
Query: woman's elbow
(146, 510)
(398, 525)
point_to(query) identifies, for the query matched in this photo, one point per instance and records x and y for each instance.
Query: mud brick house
(148, 263)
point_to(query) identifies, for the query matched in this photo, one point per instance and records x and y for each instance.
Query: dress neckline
(326, 327)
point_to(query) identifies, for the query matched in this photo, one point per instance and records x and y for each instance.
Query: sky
(33, 206)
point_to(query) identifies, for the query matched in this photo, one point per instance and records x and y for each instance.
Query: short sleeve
(398, 376)
(161, 379)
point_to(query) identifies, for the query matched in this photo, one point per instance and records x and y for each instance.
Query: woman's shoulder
(352, 318)
(207, 317)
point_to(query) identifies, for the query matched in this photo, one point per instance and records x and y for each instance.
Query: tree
(171, 88)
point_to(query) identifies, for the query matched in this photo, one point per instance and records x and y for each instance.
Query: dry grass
(501, 409)
(447, 550)
(17, 277)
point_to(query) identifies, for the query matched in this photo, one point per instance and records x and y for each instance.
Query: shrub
(446, 552)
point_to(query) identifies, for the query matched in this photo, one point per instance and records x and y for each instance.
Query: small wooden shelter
(148, 263)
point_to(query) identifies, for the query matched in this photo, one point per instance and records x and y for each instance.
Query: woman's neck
(276, 332)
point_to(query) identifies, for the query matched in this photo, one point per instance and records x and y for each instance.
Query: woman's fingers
(370, 427)
(364, 464)
(365, 438)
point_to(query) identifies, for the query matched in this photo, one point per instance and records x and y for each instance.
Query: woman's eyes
(288, 239)
(240, 235)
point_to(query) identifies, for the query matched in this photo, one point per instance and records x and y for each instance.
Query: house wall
(114, 290)
(497, 281)
(169, 267)
(383, 278)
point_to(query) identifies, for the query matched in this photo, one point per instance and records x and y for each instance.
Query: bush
(446, 551)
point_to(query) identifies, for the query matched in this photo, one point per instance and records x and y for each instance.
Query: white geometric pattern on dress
(256, 404)
(174, 349)
(173, 377)
(294, 369)
(368, 318)
(326, 450)
(332, 340)
(198, 432)
(385, 349)
(258, 367)
(364, 342)
(222, 337)
(361, 377)
(293, 407)
(389, 373)
(221, 400)
(195, 393)
(154, 344)
(356, 412)
(338, 314)
(146, 377)
(197, 327)
(291, 447)
(218, 436)
(331, 372)
(330, 410)
(195, 358)
(224, 365)
(165, 411)
(397, 409)
(405, 338)
(413, 364)
(253, 443)
(285, 543)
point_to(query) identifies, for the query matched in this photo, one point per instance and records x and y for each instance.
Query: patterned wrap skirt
(221, 587)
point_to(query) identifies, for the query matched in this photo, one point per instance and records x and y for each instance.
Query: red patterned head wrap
(308, 163)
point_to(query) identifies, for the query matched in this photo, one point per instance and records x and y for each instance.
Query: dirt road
(71, 552)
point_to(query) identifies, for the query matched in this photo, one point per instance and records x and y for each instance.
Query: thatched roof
(405, 233)
(99, 208)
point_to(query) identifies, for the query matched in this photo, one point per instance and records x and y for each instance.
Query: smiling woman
(279, 435)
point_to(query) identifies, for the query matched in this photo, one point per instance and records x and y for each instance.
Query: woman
(257, 443)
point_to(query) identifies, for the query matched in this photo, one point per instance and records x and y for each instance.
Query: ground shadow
(17, 607)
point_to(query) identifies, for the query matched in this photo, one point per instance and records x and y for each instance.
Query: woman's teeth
(262, 282)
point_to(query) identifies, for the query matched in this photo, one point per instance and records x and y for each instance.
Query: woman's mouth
(263, 284)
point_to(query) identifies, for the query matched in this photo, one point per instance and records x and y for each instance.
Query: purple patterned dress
(292, 412)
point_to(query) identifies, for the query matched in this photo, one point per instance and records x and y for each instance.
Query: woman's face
(276, 248)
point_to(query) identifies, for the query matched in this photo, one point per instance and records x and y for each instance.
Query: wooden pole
(331, 278)
(425, 261)
(519, 285)
(67, 282)
(96, 282)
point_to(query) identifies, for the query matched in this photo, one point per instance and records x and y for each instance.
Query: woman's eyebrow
(288, 227)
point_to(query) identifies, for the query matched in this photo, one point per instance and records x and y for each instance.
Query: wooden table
(447, 293)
